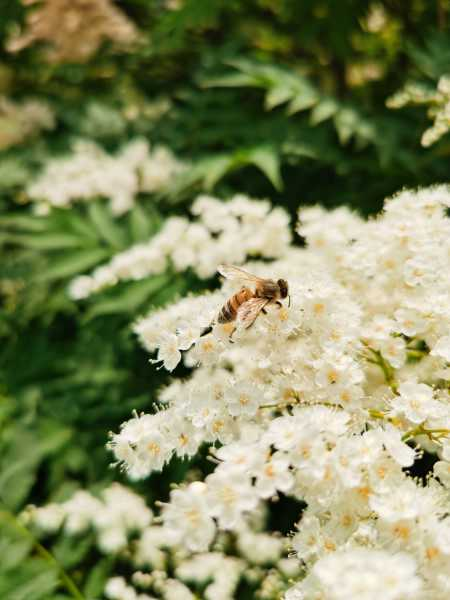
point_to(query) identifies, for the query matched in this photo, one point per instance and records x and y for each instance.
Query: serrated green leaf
(323, 110)
(278, 95)
(300, 149)
(73, 263)
(346, 122)
(303, 100)
(107, 229)
(267, 159)
(211, 170)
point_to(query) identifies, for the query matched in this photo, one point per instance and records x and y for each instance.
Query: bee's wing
(248, 311)
(235, 274)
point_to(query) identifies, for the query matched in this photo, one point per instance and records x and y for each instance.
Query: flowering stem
(416, 353)
(279, 404)
(433, 434)
(384, 365)
(66, 580)
(377, 414)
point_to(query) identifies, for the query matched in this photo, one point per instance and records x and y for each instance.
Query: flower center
(154, 448)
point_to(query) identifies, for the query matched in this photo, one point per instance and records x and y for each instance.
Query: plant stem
(430, 433)
(66, 580)
(384, 365)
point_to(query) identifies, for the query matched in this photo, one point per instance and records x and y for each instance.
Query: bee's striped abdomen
(229, 310)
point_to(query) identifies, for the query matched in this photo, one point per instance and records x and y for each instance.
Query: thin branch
(66, 580)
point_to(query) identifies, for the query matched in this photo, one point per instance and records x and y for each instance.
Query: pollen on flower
(364, 491)
(345, 396)
(207, 346)
(432, 552)
(332, 376)
(154, 448)
(269, 471)
(228, 495)
(319, 308)
(346, 520)
(283, 314)
(402, 531)
(218, 426)
(329, 545)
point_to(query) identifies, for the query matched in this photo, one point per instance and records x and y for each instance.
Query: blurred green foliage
(285, 100)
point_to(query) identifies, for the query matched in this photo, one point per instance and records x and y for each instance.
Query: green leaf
(211, 170)
(19, 460)
(45, 241)
(323, 110)
(96, 580)
(70, 551)
(129, 299)
(141, 225)
(16, 483)
(278, 95)
(26, 222)
(54, 437)
(33, 584)
(346, 122)
(267, 159)
(82, 227)
(303, 100)
(73, 263)
(13, 549)
(107, 229)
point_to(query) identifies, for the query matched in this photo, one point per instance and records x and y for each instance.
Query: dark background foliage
(284, 100)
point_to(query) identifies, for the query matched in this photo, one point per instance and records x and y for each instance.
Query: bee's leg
(231, 335)
(278, 303)
(264, 311)
(206, 330)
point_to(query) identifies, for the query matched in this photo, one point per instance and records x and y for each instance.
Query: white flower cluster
(90, 172)
(123, 526)
(329, 400)
(229, 230)
(113, 516)
(438, 102)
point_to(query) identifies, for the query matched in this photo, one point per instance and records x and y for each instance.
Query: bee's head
(284, 287)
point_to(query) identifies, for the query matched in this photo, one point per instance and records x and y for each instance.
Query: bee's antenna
(289, 301)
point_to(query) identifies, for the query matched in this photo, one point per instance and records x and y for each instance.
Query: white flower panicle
(438, 102)
(360, 573)
(151, 550)
(113, 516)
(89, 172)
(232, 230)
(329, 400)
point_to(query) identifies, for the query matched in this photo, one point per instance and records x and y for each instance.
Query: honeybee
(245, 305)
